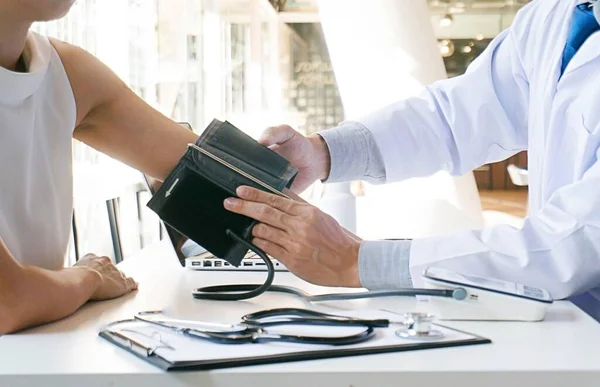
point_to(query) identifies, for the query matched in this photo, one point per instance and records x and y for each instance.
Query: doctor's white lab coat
(513, 98)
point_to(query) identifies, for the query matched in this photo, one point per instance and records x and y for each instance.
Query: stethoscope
(236, 292)
(256, 327)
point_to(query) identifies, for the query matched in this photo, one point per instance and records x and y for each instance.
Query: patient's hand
(113, 283)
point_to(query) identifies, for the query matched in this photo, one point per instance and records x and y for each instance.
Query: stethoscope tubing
(239, 292)
(209, 291)
(257, 334)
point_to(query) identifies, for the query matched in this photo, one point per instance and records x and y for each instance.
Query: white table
(561, 351)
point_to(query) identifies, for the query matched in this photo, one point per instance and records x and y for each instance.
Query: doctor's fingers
(272, 249)
(276, 135)
(261, 212)
(271, 234)
(288, 206)
(290, 253)
(294, 196)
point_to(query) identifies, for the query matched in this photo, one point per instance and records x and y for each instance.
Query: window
(192, 49)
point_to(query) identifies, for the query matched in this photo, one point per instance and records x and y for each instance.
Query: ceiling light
(466, 49)
(446, 20)
(479, 37)
(446, 48)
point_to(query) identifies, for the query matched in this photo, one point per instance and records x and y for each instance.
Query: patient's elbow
(9, 321)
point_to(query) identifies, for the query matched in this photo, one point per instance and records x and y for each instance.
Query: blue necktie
(584, 24)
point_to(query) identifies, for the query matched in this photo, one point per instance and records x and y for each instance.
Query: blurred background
(255, 63)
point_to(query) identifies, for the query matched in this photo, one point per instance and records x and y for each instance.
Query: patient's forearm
(30, 296)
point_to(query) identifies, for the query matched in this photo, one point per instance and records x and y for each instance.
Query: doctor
(535, 88)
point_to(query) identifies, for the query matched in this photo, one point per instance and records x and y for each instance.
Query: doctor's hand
(309, 154)
(310, 243)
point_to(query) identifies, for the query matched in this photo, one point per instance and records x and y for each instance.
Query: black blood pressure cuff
(191, 198)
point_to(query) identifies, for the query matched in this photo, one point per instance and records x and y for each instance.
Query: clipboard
(204, 355)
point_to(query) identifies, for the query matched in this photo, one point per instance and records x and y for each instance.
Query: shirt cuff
(354, 154)
(384, 264)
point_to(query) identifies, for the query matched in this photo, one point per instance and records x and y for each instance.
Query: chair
(518, 176)
(105, 184)
(96, 188)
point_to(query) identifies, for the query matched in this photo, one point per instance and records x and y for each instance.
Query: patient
(51, 92)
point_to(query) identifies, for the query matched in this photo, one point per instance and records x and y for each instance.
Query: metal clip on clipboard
(133, 344)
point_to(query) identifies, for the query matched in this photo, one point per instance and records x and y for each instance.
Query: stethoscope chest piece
(418, 327)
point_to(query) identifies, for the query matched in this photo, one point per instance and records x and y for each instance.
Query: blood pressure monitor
(487, 299)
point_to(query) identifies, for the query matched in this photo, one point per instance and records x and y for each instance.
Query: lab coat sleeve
(558, 248)
(461, 123)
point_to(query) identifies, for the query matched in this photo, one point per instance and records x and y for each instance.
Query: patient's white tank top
(37, 119)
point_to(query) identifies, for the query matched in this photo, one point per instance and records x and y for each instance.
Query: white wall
(383, 51)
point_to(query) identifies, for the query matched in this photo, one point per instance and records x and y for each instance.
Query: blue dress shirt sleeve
(354, 154)
(384, 264)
